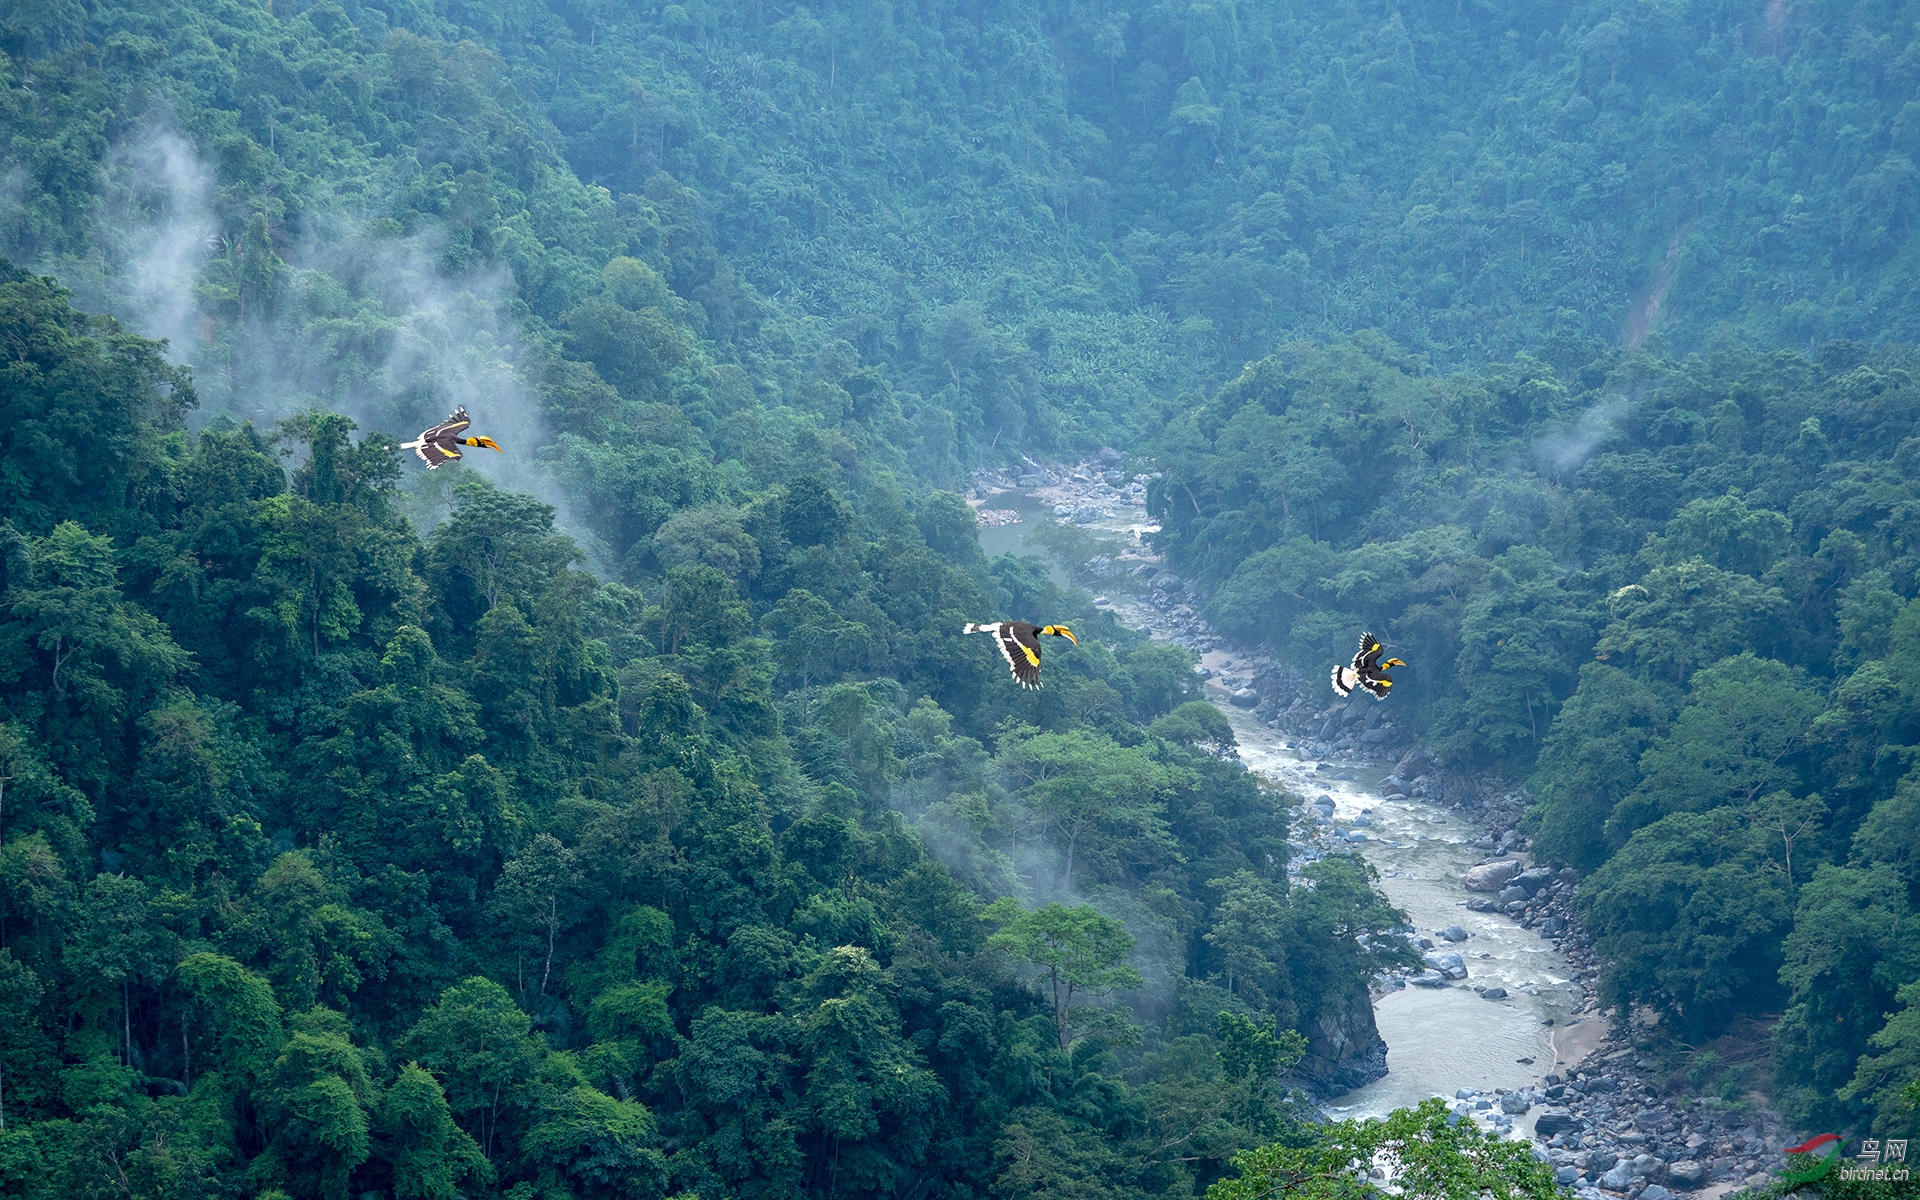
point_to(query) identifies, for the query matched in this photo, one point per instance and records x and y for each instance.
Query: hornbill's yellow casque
(1366, 671)
(442, 443)
(1019, 641)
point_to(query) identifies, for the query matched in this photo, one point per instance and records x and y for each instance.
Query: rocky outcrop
(1344, 1049)
(1606, 1130)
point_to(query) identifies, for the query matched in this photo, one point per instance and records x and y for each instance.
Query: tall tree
(1078, 953)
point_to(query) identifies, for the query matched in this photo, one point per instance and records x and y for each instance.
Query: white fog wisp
(1565, 451)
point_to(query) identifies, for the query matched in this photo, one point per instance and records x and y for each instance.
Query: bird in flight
(1366, 670)
(1019, 643)
(442, 443)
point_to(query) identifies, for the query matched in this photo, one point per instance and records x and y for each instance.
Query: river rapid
(1438, 1040)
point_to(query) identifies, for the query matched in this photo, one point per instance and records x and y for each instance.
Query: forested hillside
(1042, 214)
(1679, 597)
(623, 815)
(340, 859)
(1044, 220)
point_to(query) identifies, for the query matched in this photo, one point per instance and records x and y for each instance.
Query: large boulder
(1556, 1120)
(1447, 963)
(1687, 1174)
(1491, 877)
(1511, 893)
(1533, 880)
(1514, 1103)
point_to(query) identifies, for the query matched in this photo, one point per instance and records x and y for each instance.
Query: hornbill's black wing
(1019, 645)
(1367, 657)
(440, 444)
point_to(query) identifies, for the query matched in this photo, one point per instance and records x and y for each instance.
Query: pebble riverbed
(1500, 1021)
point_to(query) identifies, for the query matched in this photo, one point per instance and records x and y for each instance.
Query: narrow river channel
(1438, 1040)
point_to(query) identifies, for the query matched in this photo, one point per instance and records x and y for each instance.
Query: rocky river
(1500, 1021)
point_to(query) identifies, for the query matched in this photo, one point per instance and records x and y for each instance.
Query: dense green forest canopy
(624, 816)
(1044, 220)
(340, 859)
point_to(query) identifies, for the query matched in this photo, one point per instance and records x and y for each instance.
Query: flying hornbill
(1019, 642)
(1366, 671)
(442, 443)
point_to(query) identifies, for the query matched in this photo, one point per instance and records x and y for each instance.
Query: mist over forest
(623, 815)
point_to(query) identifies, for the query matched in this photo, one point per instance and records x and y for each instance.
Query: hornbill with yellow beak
(1019, 642)
(1366, 671)
(442, 443)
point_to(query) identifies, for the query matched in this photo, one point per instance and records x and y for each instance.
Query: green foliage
(475, 1040)
(1733, 741)
(68, 375)
(1589, 762)
(1252, 923)
(1883, 1079)
(1426, 1152)
(314, 1103)
(1077, 952)
(1674, 594)
(597, 1146)
(1196, 723)
(1851, 950)
(429, 1154)
(1690, 918)
(1253, 1059)
(1093, 797)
